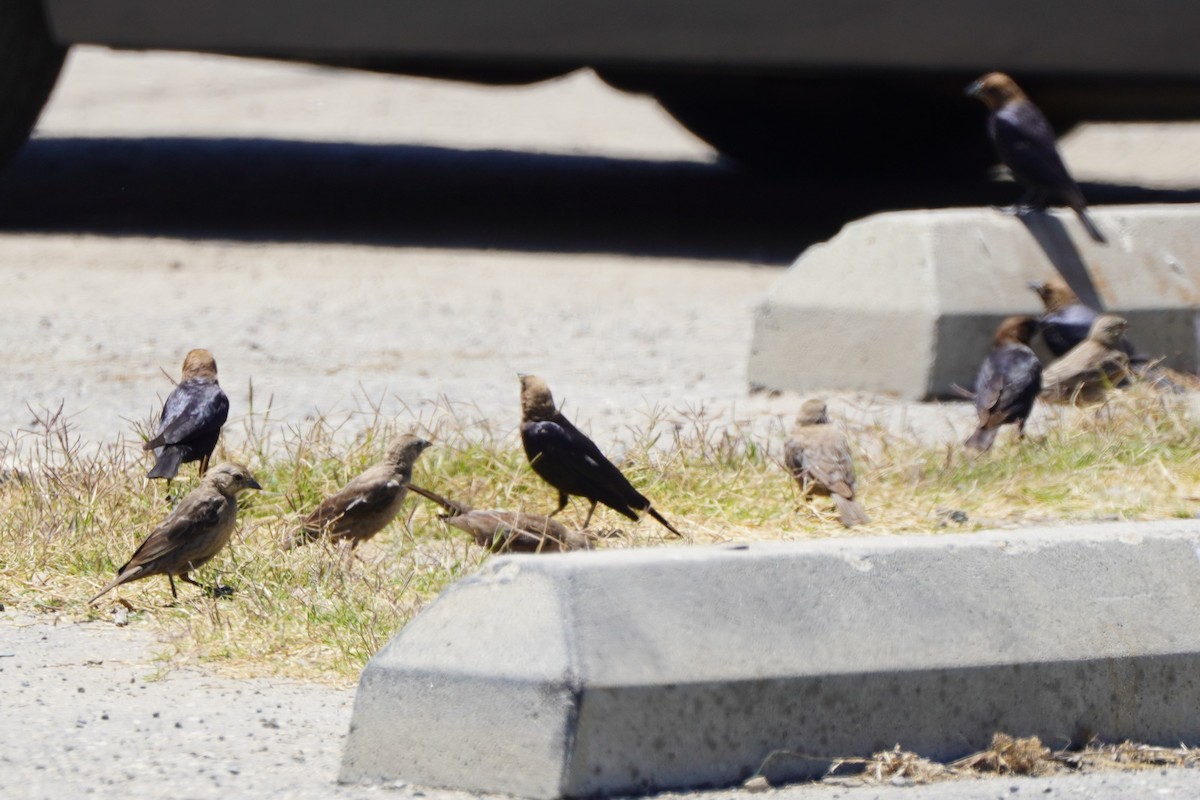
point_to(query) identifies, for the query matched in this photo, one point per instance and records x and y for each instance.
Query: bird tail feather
(650, 510)
(982, 439)
(849, 511)
(167, 464)
(123, 577)
(112, 584)
(446, 503)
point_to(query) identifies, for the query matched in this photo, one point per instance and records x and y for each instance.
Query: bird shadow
(252, 189)
(1051, 235)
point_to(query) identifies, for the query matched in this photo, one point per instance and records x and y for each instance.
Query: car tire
(844, 127)
(29, 64)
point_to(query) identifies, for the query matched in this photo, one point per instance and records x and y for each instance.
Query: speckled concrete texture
(903, 303)
(645, 670)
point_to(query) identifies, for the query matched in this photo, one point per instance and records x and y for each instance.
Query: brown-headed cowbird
(1025, 142)
(369, 501)
(1008, 382)
(191, 419)
(570, 462)
(1092, 366)
(193, 533)
(1067, 320)
(509, 531)
(818, 456)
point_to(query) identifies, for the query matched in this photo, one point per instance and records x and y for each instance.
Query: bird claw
(219, 591)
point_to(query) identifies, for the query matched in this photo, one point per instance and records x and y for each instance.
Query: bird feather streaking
(509, 531)
(818, 457)
(192, 534)
(369, 501)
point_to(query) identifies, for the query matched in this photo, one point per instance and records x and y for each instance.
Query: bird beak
(973, 89)
(253, 484)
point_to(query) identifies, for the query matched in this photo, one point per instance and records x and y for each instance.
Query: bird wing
(1022, 382)
(1026, 143)
(570, 462)
(1008, 382)
(373, 498)
(366, 494)
(181, 532)
(193, 408)
(1081, 358)
(1067, 327)
(823, 454)
(988, 385)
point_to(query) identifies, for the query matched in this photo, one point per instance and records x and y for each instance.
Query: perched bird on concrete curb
(193, 533)
(1008, 382)
(369, 501)
(1067, 320)
(191, 419)
(818, 456)
(570, 462)
(1091, 367)
(1025, 142)
(509, 531)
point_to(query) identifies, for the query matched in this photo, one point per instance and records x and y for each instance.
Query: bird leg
(173, 592)
(204, 463)
(1032, 200)
(212, 591)
(563, 497)
(591, 511)
(183, 576)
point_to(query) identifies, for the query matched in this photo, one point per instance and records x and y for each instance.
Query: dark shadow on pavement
(408, 195)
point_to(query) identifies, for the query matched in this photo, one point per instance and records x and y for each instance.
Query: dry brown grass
(71, 513)
(1007, 755)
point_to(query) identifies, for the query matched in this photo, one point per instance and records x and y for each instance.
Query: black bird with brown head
(1026, 143)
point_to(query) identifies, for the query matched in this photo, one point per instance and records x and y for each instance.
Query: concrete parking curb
(907, 302)
(642, 670)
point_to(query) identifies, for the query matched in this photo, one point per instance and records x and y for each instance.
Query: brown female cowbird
(508, 531)
(191, 419)
(570, 462)
(193, 533)
(1025, 142)
(818, 456)
(1008, 382)
(1092, 366)
(369, 501)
